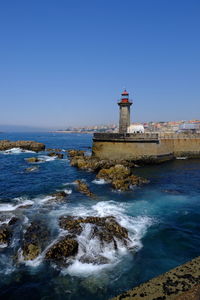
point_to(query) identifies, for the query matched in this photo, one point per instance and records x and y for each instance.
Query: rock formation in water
(83, 188)
(35, 239)
(25, 145)
(105, 229)
(118, 173)
(120, 177)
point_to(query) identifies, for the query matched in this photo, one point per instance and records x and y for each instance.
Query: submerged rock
(26, 145)
(62, 250)
(35, 239)
(83, 188)
(32, 169)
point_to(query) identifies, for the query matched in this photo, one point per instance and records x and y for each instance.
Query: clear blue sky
(65, 62)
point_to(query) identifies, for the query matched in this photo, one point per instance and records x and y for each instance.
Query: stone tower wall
(124, 118)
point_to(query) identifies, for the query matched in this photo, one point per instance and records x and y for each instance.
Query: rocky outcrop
(34, 241)
(57, 155)
(118, 173)
(120, 177)
(26, 145)
(73, 153)
(62, 250)
(107, 229)
(83, 188)
(90, 163)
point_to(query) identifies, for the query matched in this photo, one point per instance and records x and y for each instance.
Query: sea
(162, 219)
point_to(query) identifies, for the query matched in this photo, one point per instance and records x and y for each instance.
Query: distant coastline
(72, 131)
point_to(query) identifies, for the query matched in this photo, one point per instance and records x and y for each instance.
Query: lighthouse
(124, 112)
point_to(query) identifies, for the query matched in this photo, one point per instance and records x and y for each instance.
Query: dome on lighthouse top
(125, 93)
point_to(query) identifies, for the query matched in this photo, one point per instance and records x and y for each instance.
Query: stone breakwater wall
(149, 147)
(181, 283)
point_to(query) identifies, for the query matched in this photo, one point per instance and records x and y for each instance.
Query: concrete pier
(147, 147)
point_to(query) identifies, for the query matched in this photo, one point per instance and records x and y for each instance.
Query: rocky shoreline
(117, 173)
(24, 145)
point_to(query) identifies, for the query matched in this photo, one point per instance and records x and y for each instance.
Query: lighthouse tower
(124, 113)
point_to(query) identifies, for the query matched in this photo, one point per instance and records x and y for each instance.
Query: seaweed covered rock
(107, 229)
(90, 163)
(83, 188)
(63, 249)
(26, 145)
(35, 239)
(113, 173)
(120, 177)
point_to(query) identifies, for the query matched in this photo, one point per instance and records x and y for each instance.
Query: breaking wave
(11, 207)
(16, 151)
(99, 181)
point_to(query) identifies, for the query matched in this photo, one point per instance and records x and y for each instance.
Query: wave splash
(93, 255)
(16, 151)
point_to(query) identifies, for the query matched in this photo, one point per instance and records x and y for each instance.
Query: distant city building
(189, 127)
(135, 128)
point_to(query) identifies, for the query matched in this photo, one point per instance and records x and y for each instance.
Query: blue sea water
(162, 219)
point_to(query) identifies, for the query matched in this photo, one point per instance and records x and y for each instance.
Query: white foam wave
(101, 254)
(99, 181)
(11, 207)
(3, 245)
(16, 151)
(45, 158)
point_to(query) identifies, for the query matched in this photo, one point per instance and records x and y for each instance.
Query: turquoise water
(162, 219)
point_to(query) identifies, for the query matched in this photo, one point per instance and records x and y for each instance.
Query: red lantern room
(124, 97)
